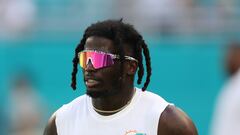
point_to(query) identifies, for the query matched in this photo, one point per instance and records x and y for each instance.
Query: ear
(131, 67)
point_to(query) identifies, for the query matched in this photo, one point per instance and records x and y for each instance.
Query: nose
(89, 66)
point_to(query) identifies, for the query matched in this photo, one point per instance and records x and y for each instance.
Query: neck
(115, 102)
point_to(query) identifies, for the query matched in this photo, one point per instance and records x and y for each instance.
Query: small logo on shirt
(134, 132)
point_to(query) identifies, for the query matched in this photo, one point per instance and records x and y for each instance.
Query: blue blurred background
(187, 41)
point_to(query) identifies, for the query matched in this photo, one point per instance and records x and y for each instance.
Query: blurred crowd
(226, 118)
(179, 17)
(17, 17)
(25, 108)
(164, 17)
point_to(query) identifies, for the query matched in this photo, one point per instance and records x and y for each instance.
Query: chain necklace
(117, 110)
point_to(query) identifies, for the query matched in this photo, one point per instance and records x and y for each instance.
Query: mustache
(88, 75)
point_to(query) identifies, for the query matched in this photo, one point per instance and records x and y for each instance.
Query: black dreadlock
(119, 33)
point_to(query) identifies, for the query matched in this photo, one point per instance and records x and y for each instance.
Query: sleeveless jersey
(140, 117)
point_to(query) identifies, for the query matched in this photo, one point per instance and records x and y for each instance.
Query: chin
(96, 93)
(101, 93)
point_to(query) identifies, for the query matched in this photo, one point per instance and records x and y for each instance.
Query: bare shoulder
(174, 121)
(51, 126)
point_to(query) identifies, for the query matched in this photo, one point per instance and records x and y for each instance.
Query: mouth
(90, 83)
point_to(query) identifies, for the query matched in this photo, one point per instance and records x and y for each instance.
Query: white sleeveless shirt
(140, 117)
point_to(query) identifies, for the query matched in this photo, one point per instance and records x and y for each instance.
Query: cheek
(112, 75)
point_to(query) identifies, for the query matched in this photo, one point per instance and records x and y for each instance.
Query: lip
(91, 82)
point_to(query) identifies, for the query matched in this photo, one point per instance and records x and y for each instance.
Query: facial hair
(106, 92)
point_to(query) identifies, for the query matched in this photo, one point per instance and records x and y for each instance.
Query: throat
(112, 105)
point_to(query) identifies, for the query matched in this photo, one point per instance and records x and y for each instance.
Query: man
(226, 119)
(110, 53)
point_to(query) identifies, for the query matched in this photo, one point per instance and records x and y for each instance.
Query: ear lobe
(131, 67)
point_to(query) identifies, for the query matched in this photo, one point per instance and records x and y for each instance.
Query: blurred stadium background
(187, 41)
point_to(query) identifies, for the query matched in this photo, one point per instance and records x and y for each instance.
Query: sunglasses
(99, 59)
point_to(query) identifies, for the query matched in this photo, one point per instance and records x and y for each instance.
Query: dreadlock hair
(120, 33)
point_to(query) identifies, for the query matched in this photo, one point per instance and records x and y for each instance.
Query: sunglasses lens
(98, 60)
(82, 59)
(102, 60)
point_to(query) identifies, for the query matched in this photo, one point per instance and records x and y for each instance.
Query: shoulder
(154, 102)
(51, 126)
(71, 107)
(77, 101)
(174, 121)
(151, 97)
(63, 114)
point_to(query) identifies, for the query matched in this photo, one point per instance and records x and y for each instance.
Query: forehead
(99, 44)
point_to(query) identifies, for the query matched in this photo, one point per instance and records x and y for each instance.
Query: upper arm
(51, 126)
(173, 121)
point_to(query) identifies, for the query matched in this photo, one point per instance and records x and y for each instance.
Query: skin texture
(109, 78)
(51, 128)
(172, 122)
(233, 58)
